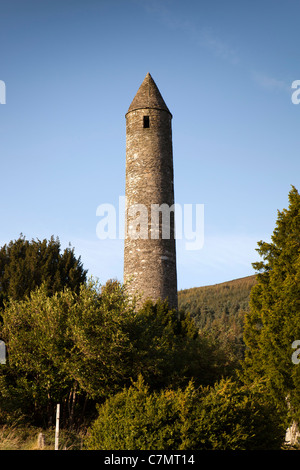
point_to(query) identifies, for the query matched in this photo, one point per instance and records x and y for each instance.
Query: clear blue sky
(224, 68)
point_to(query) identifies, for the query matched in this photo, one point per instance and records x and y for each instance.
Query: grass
(27, 438)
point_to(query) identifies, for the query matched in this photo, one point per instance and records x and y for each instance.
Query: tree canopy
(90, 344)
(25, 265)
(273, 322)
(226, 416)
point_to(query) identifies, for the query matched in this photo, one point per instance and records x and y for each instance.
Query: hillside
(219, 310)
(208, 303)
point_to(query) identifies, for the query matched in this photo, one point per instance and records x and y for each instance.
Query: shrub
(227, 416)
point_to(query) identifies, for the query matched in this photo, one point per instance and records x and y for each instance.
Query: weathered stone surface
(150, 263)
(148, 97)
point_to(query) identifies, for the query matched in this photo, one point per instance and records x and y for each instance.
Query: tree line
(152, 376)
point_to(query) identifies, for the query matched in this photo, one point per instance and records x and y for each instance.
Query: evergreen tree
(228, 416)
(273, 322)
(25, 265)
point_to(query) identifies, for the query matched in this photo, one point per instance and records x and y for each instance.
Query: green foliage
(36, 373)
(62, 346)
(136, 419)
(211, 303)
(273, 322)
(77, 343)
(235, 416)
(91, 344)
(225, 417)
(97, 327)
(218, 311)
(168, 350)
(25, 265)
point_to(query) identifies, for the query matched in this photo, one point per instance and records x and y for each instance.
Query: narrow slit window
(146, 122)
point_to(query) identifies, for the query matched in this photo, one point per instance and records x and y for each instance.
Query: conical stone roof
(148, 97)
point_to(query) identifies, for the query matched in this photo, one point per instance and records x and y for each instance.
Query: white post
(57, 427)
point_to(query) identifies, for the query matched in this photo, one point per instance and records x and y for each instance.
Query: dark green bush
(227, 416)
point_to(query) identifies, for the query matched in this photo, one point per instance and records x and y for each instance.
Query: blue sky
(225, 69)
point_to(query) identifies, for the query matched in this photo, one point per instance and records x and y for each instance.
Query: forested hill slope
(219, 303)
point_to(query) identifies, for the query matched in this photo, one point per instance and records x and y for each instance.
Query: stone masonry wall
(150, 264)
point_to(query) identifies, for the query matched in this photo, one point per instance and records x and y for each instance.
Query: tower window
(146, 122)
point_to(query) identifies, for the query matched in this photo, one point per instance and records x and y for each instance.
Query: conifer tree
(273, 323)
(25, 265)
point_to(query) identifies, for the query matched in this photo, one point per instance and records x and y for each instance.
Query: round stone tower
(149, 247)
